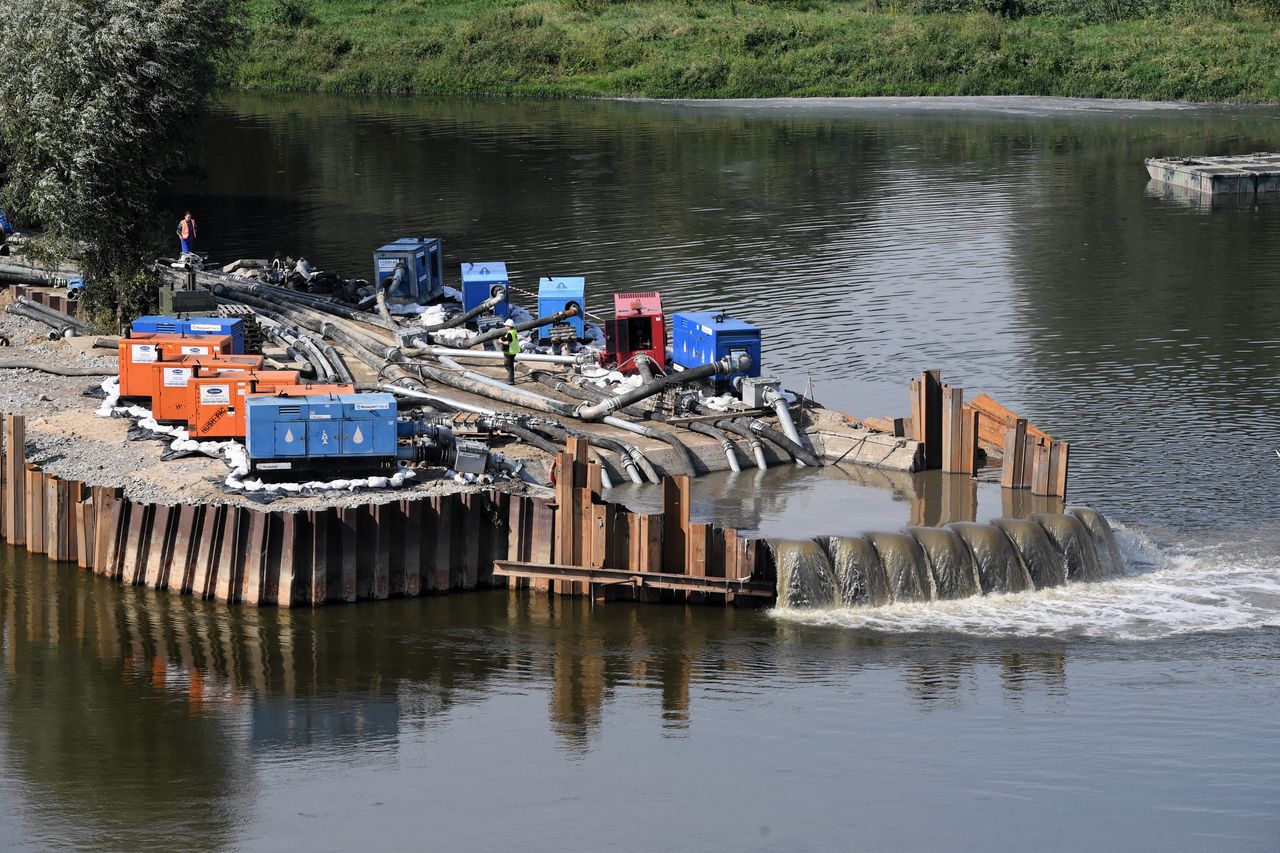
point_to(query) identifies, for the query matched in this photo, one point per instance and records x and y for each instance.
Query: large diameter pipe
(757, 448)
(729, 364)
(19, 274)
(719, 435)
(388, 284)
(494, 334)
(779, 404)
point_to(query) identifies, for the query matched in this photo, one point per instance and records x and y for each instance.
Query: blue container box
(483, 279)
(232, 327)
(275, 427)
(321, 426)
(556, 294)
(701, 337)
(424, 267)
(156, 324)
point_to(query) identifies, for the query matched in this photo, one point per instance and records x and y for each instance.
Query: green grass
(1205, 51)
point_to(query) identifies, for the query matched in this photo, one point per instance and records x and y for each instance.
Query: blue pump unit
(423, 260)
(701, 337)
(557, 294)
(232, 327)
(483, 279)
(318, 430)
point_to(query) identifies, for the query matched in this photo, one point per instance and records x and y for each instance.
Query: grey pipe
(622, 451)
(426, 396)
(60, 316)
(779, 404)
(683, 457)
(59, 329)
(494, 334)
(719, 435)
(19, 274)
(57, 370)
(757, 449)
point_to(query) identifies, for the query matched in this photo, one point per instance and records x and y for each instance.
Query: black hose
(494, 334)
(659, 384)
(61, 317)
(753, 440)
(795, 450)
(526, 435)
(44, 367)
(339, 365)
(730, 449)
(27, 275)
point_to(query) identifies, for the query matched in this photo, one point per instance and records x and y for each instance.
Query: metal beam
(653, 580)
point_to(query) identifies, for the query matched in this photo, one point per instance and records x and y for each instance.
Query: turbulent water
(947, 563)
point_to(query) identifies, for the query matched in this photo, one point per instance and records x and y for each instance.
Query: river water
(1015, 244)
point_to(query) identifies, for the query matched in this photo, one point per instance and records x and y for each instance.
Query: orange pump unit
(170, 396)
(216, 400)
(139, 354)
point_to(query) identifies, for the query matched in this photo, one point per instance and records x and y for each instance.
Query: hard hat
(508, 322)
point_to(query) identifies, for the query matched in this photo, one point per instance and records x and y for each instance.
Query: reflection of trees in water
(106, 753)
(125, 707)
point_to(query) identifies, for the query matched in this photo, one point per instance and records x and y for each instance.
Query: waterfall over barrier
(860, 577)
(1043, 559)
(931, 563)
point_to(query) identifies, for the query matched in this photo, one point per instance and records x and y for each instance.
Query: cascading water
(805, 577)
(963, 559)
(859, 574)
(1104, 540)
(1077, 545)
(999, 565)
(905, 566)
(1043, 559)
(950, 562)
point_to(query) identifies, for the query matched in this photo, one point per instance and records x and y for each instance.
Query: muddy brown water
(1015, 244)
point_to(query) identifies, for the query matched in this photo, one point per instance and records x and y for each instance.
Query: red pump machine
(638, 328)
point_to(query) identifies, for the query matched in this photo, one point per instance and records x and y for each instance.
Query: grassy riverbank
(1202, 50)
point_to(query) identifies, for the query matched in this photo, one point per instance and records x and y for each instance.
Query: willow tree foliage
(100, 104)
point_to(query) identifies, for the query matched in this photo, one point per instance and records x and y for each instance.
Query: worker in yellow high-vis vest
(511, 340)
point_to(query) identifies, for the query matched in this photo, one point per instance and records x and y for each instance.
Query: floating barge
(1232, 175)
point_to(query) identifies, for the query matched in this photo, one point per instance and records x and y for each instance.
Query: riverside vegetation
(1198, 50)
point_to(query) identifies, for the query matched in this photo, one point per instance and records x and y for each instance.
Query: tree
(100, 102)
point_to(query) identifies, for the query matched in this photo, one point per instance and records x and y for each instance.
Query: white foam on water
(1167, 591)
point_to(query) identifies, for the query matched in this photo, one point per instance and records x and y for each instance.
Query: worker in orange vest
(187, 232)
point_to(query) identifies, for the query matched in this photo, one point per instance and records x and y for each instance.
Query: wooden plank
(1040, 467)
(1014, 450)
(1059, 453)
(255, 557)
(916, 421)
(995, 421)
(677, 495)
(185, 536)
(37, 541)
(968, 440)
(952, 430)
(931, 413)
(349, 542)
(410, 556)
(442, 552)
(16, 479)
(698, 551)
(383, 518)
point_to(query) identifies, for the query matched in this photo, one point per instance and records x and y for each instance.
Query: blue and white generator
(556, 295)
(232, 327)
(702, 337)
(482, 280)
(329, 433)
(423, 260)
